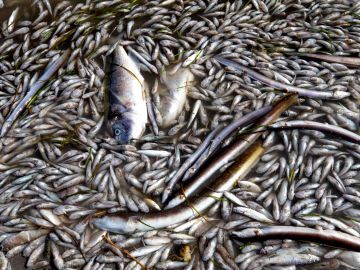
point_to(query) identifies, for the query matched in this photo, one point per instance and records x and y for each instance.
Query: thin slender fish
(328, 237)
(346, 60)
(128, 112)
(201, 154)
(131, 222)
(243, 121)
(325, 127)
(50, 70)
(338, 94)
(232, 151)
(185, 166)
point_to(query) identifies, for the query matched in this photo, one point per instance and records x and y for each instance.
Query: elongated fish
(173, 93)
(239, 145)
(127, 114)
(50, 70)
(130, 222)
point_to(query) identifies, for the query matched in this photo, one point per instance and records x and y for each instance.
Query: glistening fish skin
(127, 114)
(55, 159)
(173, 95)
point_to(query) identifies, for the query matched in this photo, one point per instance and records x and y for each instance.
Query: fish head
(122, 130)
(120, 223)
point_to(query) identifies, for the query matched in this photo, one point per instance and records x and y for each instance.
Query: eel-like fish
(133, 222)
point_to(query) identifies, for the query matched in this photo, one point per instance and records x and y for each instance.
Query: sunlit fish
(172, 92)
(127, 113)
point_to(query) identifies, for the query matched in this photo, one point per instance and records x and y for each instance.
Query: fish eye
(117, 131)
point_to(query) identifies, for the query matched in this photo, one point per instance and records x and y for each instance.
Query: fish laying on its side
(172, 92)
(127, 114)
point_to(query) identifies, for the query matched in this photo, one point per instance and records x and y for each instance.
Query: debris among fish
(193, 163)
(278, 85)
(231, 152)
(335, 130)
(346, 60)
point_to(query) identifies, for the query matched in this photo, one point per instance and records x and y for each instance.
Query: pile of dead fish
(163, 135)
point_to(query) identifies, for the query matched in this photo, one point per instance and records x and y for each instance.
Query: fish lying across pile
(127, 112)
(173, 92)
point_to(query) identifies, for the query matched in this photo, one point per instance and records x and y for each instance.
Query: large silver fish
(127, 114)
(172, 92)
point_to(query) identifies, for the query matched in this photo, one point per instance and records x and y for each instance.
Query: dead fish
(173, 93)
(129, 223)
(50, 70)
(127, 114)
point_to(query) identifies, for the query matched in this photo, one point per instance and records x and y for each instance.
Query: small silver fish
(127, 115)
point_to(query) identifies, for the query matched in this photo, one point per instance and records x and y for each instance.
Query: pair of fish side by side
(127, 100)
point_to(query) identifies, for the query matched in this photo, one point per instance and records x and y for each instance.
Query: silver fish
(127, 115)
(173, 93)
